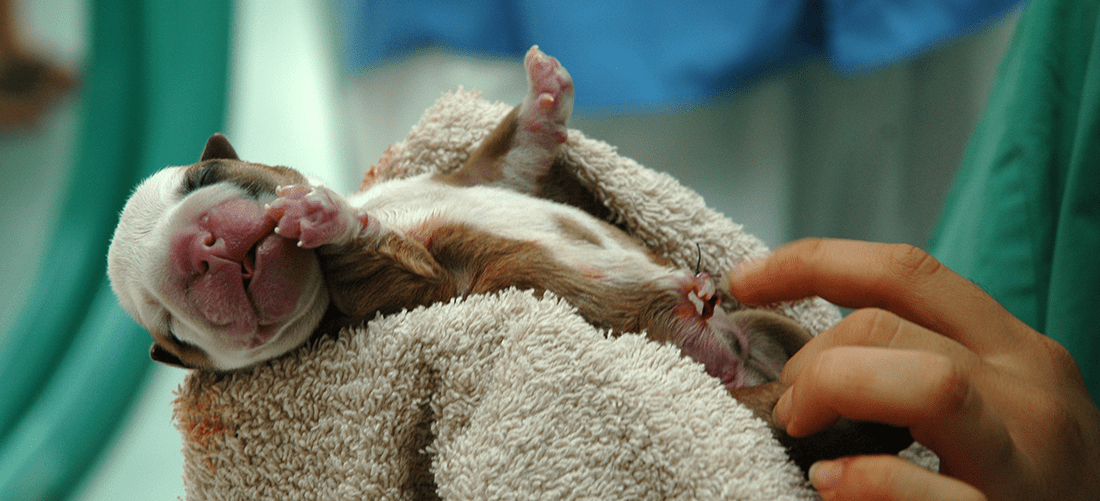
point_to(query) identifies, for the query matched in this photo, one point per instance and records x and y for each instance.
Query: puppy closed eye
(256, 181)
(202, 176)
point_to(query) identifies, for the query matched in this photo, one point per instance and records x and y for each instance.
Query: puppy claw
(706, 289)
(313, 215)
(700, 293)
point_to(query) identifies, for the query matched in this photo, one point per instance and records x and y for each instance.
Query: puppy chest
(500, 231)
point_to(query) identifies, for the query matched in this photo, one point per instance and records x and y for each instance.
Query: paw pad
(314, 215)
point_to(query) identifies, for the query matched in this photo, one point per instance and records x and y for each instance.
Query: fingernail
(736, 276)
(746, 267)
(825, 474)
(781, 413)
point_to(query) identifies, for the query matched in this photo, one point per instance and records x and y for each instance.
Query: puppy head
(195, 261)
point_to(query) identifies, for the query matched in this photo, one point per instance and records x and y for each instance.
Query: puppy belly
(491, 239)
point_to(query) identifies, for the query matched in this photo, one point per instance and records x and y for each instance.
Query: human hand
(1003, 406)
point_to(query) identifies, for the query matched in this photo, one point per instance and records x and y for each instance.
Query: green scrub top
(1023, 217)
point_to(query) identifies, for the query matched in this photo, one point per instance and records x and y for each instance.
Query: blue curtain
(154, 89)
(645, 54)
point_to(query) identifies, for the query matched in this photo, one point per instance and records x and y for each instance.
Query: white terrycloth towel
(502, 396)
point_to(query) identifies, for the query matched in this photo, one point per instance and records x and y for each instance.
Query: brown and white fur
(229, 263)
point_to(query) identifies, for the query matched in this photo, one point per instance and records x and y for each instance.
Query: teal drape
(154, 90)
(1023, 217)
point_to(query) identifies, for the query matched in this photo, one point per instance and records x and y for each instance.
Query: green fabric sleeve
(1023, 217)
(154, 90)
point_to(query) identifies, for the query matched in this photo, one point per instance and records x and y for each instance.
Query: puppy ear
(159, 354)
(773, 339)
(783, 331)
(218, 147)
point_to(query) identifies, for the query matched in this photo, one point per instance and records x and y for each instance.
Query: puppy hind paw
(549, 103)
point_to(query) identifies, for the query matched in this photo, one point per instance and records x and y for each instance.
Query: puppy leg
(747, 350)
(522, 148)
(845, 438)
(545, 111)
(775, 339)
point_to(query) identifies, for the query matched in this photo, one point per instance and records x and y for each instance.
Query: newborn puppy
(229, 263)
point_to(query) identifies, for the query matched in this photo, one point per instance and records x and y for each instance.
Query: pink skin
(314, 215)
(238, 275)
(703, 340)
(546, 108)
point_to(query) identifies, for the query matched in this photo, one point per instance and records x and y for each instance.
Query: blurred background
(793, 128)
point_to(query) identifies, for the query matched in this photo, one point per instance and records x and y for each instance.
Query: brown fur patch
(561, 185)
(393, 272)
(256, 179)
(187, 356)
(384, 273)
(485, 166)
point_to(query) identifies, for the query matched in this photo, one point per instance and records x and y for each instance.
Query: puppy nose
(208, 252)
(199, 252)
(205, 248)
(222, 239)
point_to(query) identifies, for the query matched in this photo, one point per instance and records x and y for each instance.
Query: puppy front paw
(315, 215)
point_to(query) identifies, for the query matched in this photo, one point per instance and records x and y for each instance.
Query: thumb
(885, 477)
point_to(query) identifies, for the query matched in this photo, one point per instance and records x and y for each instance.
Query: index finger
(895, 277)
